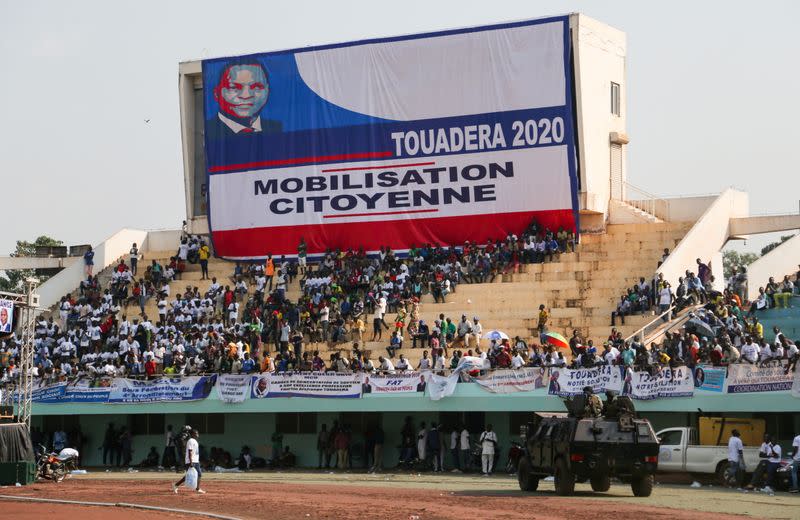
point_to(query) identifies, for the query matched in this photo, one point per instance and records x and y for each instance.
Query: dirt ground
(33, 511)
(321, 495)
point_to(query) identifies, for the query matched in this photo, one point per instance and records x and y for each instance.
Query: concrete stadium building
(623, 231)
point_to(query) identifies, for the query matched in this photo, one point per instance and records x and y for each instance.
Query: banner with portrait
(667, 382)
(710, 378)
(306, 384)
(399, 383)
(510, 381)
(744, 377)
(439, 137)
(571, 381)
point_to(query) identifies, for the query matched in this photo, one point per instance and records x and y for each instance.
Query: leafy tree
(12, 281)
(732, 260)
(769, 247)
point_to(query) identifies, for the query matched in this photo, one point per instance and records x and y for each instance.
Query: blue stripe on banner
(553, 128)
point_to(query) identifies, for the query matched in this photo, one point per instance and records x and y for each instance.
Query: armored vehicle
(592, 442)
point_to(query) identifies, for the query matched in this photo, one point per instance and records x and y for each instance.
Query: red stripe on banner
(399, 233)
(382, 213)
(300, 160)
(384, 166)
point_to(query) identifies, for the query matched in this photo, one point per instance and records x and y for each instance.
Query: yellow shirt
(204, 252)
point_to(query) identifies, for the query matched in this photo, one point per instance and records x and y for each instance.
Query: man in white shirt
(488, 442)
(465, 448)
(517, 361)
(454, 450)
(735, 458)
(795, 464)
(773, 463)
(385, 366)
(750, 351)
(192, 460)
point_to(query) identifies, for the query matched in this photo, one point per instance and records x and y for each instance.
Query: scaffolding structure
(18, 395)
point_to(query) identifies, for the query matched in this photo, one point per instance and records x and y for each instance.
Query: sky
(712, 96)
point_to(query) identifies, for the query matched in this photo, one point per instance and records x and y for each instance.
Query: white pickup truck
(679, 452)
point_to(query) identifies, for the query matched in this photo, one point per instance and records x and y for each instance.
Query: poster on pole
(439, 137)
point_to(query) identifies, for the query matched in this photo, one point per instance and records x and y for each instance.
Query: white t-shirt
(194, 448)
(734, 447)
(796, 444)
(487, 444)
(776, 449)
(464, 439)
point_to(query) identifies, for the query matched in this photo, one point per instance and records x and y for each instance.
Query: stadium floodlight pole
(22, 394)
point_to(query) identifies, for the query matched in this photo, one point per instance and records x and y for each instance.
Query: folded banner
(306, 384)
(751, 378)
(796, 384)
(405, 382)
(668, 382)
(509, 381)
(233, 388)
(567, 381)
(441, 386)
(710, 378)
(161, 390)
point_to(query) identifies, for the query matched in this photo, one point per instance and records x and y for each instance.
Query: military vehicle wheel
(601, 484)
(642, 486)
(527, 482)
(564, 479)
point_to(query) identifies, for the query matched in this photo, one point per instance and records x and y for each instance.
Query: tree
(733, 260)
(12, 281)
(769, 247)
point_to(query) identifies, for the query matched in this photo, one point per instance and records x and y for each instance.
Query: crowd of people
(247, 324)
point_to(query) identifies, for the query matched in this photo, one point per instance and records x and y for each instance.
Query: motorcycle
(49, 466)
(514, 454)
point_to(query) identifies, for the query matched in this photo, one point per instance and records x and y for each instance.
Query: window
(147, 424)
(209, 423)
(615, 98)
(671, 438)
(296, 422)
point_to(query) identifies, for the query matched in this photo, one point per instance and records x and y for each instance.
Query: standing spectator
(302, 251)
(544, 316)
(277, 446)
(488, 442)
(465, 448)
(126, 446)
(422, 441)
(88, 260)
(795, 464)
(203, 255)
(170, 457)
(134, 252)
(379, 438)
(735, 457)
(323, 437)
(342, 443)
(454, 450)
(109, 445)
(432, 441)
(59, 440)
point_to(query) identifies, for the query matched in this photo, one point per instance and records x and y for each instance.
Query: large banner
(306, 384)
(751, 378)
(567, 381)
(668, 382)
(440, 137)
(510, 381)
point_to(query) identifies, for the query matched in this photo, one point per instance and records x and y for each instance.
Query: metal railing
(654, 323)
(646, 201)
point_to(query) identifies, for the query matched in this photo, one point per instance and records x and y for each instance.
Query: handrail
(650, 202)
(677, 323)
(642, 329)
